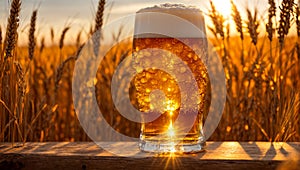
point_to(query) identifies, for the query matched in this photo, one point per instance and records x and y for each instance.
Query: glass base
(171, 147)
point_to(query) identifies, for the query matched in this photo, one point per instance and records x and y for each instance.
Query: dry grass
(262, 76)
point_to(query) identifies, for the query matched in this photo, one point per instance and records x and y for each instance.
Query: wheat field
(262, 76)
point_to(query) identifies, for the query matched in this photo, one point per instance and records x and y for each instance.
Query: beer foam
(168, 6)
(174, 19)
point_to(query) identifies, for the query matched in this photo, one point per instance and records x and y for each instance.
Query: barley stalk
(11, 37)
(31, 43)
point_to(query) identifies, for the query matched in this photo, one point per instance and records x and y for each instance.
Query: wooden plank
(218, 155)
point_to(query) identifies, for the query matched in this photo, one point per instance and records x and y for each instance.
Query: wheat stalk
(62, 37)
(298, 30)
(59, 71)
(31, 43)
(52, 35)
(298, 20)
(237, 19)
(218, 20)
(271, 15)
(8, 69)
(42, 45)
(99, 15)
(0, 40)
(21, 85)
(290, 113)
(98, 24)
(284, 25)
(239, 27)
(78, 39)
(252, 25)
(269, 28)
(12, 27)
(285, 20)
(21, 79)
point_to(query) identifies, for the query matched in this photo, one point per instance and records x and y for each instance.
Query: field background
(262, 75)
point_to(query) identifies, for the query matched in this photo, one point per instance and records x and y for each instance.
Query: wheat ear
(0, 36)
(271, 15)
(285, 20)
(42, 45)
(99, 15)
(62, 37)
(52, 35)
(98, 25)
(218, 21)
(12, 27)
(31, 43)
(0, 40)
(252, 25)
(237, 20)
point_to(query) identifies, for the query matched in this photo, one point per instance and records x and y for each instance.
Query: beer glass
(158, 91)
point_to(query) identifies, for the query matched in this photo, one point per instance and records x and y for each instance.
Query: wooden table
(218, 155)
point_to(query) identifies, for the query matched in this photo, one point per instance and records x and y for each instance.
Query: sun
(223, 6)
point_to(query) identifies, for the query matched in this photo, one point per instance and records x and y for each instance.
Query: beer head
(170, 19)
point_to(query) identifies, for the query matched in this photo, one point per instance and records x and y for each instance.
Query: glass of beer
(157, 90)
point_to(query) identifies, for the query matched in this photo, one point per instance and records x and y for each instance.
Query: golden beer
(158, 91)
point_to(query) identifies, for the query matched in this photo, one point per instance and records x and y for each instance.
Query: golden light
(171, 134)
(173, 150)
(171, 131)
(223, 6)
(171, 106)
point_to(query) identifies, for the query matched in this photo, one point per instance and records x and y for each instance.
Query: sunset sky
(78, 14)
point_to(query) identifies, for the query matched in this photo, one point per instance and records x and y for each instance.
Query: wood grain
(218, 155)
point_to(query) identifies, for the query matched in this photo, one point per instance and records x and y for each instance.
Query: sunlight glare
(171, 131)
(223, 6)
(173, 150)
